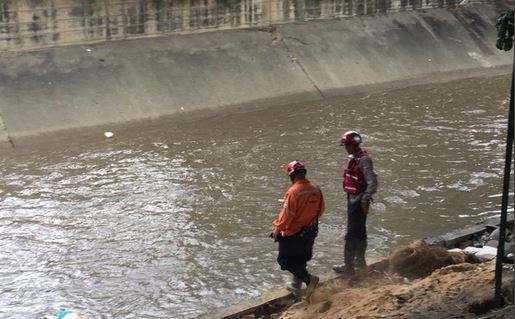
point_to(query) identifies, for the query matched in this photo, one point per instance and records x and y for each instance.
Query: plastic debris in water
(66, 314)
(108, 134)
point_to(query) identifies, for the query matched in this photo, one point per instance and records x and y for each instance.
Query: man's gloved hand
(275, 234)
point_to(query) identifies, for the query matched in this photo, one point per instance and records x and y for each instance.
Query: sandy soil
(457, 291)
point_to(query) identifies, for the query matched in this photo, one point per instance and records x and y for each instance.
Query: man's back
(304, 203)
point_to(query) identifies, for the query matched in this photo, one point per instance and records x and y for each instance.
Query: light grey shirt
(367, 168)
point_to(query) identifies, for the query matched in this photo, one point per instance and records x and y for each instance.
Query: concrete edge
(507, 312)
(466, 234)
(422, 79)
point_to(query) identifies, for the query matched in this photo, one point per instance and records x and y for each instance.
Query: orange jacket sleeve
(287, 212)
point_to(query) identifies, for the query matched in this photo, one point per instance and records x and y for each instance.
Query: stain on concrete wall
(30, 24)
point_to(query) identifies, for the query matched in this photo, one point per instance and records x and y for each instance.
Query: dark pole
(504, 204)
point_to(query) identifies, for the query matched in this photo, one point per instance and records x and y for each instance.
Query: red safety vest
(353, 178)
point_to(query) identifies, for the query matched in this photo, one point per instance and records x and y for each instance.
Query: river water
(170, 219)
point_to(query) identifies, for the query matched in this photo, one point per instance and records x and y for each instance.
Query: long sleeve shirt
(367, 168)
(303, 204)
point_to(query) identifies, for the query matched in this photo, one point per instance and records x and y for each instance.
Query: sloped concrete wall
(76, 86)
(377, 49)
(30, 24)
(128, 80)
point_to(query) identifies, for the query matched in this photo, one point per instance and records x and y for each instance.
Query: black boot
(294, 287)
(349, 254)
(311, 283)
(361, 247)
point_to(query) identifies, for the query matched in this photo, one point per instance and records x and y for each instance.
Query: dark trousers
(294, 253)
(356, 221)
(356, 236)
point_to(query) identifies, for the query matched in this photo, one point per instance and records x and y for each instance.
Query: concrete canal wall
(70, 86)
(28, 24)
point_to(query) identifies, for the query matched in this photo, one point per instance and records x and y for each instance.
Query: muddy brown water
(170, 219)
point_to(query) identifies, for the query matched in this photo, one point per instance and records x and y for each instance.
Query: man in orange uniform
(296, 227)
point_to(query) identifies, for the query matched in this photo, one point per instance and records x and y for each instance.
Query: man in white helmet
(360, 183)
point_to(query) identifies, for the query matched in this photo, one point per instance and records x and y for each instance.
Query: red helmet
(294, 167)
(350, 137)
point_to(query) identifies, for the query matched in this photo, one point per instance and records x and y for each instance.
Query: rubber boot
(294, 286)
(311, 283)
(349, 254)
(361, 247)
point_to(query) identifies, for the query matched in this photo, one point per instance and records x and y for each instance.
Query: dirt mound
(456, 285)
(420, 260)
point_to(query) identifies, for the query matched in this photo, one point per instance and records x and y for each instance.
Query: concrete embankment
(30, 24)
(118, 81)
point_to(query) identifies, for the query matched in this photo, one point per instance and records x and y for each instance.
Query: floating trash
(67, 314)
(108, 134)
